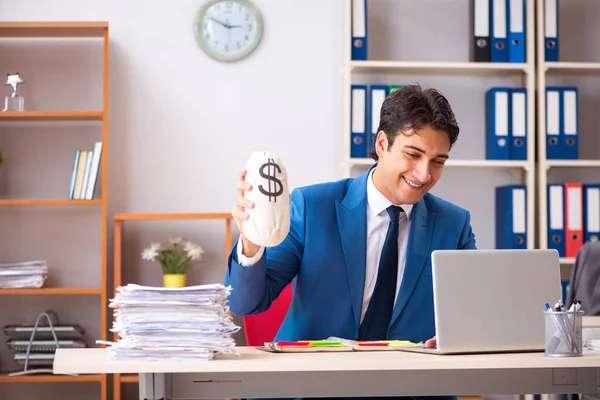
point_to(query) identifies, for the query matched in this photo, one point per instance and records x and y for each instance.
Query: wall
(183, 125)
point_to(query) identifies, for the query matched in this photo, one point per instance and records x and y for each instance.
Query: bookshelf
(34, 199)
(118, 264)
(446, 69)
(573, 69)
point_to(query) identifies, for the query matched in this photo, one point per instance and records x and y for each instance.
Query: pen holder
(563, 333)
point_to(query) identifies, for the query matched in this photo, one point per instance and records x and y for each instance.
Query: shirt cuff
(245, 261)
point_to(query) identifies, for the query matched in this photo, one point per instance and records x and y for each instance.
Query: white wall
(183, 125)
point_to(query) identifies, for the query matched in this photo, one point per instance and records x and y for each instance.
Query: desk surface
(591, 321)
(96, 361)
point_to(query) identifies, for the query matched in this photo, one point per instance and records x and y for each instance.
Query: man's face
(412, 166)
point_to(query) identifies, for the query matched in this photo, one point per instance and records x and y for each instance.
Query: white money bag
(269, 221)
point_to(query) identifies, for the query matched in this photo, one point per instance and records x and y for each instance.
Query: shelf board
(460, 163)
(4, 377)
(573, 163)
(52, 291)
(129, 378)
(52, 29)
(34, 202)
(572, 66)
(438, 67)
(168, 216)
(51, 115)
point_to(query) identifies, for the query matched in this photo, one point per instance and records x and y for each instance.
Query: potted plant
(174, 258)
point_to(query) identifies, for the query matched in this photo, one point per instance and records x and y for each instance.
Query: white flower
(193, 250)
(175, 241)
(151, 252)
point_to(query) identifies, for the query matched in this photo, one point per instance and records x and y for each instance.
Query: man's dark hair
(411, 108)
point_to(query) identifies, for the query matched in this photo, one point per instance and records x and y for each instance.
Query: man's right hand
(239, 214)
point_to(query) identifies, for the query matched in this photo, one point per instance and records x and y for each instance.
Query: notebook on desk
(491, 301)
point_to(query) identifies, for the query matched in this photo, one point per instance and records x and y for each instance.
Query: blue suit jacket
(325, 256)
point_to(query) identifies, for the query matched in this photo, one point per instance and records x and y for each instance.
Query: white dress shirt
(377, 225)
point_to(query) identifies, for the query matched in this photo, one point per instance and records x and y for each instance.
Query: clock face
(228, 30)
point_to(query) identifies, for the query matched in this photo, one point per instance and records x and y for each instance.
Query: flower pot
(174, 280)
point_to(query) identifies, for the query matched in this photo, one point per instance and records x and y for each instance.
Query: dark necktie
(379, 312)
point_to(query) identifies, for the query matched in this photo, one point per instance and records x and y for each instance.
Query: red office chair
(263, 327)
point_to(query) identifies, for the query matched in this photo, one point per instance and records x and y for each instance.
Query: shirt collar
(378, 202)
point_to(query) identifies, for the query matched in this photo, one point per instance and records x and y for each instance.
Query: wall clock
(228, 30)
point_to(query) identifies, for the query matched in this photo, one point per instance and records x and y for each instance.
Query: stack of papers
(156, 323)
(28, 274)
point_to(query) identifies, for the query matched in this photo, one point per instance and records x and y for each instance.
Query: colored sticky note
(284, 344)
(377, 344)
(325, 343)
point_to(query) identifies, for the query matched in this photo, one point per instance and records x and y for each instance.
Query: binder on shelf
(377, 94)
(511, 217)
(74, 175)
(551, 30)
(569, 141)
(391, 88)
(573, 218)
(518, 124)
(516, 31)
(80, 174)
(359, 29)
(497, 123)
(556, 218)
(358, 123)
(553, 118)
(565, 290)
(93, 177)
(591, 212)
(498, 21)
(480, 30)
(86, 174)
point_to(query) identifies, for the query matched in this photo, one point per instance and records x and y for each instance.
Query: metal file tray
(43, 346)
(44, 332)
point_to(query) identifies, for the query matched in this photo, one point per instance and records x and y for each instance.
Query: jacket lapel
(419, 242)
(352, 223)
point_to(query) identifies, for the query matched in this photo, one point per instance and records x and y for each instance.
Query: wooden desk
(591, 321)
(255, 373)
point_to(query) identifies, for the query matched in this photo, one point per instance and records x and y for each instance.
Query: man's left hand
(431, 342)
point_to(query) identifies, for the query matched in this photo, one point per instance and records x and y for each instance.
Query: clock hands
(219, 22)
(225, 24)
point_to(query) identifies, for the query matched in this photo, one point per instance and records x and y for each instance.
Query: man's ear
(381, 143)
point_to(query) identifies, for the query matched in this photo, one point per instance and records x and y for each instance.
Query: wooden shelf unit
(40, 31)
(52, 116)
(5, 378)
(119, 221)
(34, 202)
(53, 291)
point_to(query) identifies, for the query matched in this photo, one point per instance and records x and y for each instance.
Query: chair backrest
(583, 283)
(263, 327)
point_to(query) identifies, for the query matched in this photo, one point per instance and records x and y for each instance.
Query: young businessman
(359, 248)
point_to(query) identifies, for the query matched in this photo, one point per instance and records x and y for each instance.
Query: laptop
(490, 301)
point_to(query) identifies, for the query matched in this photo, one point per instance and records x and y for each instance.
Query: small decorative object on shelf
(14, 101)
(174, 257)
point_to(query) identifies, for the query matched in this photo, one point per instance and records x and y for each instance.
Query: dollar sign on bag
(275, 186)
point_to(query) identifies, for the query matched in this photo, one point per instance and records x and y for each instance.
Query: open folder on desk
(335, 345)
